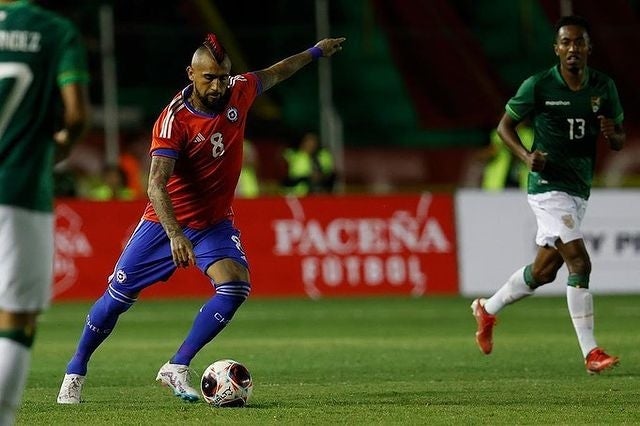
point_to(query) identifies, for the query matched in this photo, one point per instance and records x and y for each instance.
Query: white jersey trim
(167, 122)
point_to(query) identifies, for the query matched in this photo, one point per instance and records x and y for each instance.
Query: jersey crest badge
(232, 114)
(595, 103)
(568, 221)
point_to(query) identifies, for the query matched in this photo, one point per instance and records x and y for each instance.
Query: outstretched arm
(284, 69)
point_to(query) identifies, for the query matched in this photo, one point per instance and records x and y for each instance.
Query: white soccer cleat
(71, 389)
(178, 378)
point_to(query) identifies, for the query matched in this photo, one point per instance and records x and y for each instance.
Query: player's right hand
(536, 160)
(182, 251)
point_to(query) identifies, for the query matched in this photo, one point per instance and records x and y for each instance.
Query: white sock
(513, 290)
(14, 365)
(580, 303)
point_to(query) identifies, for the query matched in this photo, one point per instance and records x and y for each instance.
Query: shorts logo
(121, 276)
(232, 114)
(568, 221)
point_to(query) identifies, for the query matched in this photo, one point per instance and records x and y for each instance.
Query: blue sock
(100, 322)
(212, 318)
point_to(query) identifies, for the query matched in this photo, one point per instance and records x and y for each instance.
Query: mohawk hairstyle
(215, 47)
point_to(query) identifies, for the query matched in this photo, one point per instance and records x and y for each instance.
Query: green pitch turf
(350, 361)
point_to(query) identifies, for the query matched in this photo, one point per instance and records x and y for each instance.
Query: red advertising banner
(315, 246)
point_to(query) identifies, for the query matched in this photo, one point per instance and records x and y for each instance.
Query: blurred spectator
(498, 167)
(248, 185)
(130, 167)
(64, 184)
(114, 186)
(310, 168)
(136, 161)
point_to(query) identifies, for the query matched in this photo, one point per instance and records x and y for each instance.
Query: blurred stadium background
(415, 91)
(409, 102)
(405, 108)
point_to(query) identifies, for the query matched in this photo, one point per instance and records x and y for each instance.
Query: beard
(214, 104)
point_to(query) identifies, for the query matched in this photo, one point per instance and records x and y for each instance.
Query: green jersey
(566, 126)
(39, 52)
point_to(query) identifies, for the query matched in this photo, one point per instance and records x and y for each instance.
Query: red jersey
(208, 153)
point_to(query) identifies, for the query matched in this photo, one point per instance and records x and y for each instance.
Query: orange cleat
(598, 360)
(486, 322)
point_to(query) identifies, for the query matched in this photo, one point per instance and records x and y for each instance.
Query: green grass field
(350, 361)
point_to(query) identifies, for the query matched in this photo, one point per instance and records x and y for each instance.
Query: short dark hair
(576, 20)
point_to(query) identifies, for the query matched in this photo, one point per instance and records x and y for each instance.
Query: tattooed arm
(181, 247)
(284, 69)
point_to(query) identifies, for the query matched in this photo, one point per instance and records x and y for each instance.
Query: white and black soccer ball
(226, 383)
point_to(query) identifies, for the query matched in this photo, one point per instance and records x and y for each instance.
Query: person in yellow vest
(248, 184)
(114, 186)
(310, 168)
(503, 170)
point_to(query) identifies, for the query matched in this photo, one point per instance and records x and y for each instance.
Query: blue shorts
(147, 259)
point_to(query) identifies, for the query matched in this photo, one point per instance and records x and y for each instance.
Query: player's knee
(543, 275)
(11, 320)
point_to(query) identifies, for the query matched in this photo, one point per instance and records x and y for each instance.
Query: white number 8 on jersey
(218, 145)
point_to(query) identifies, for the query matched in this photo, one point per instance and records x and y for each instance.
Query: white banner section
(496, 236)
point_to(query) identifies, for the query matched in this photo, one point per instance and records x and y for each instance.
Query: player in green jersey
(43, 104)
(569, 106)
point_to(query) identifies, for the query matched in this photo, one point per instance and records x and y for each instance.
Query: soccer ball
(226, 383)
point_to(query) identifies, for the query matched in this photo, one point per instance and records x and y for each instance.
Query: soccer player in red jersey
(196, 151)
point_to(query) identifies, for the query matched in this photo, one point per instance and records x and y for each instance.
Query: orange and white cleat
(486, 322)
(598, 360)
